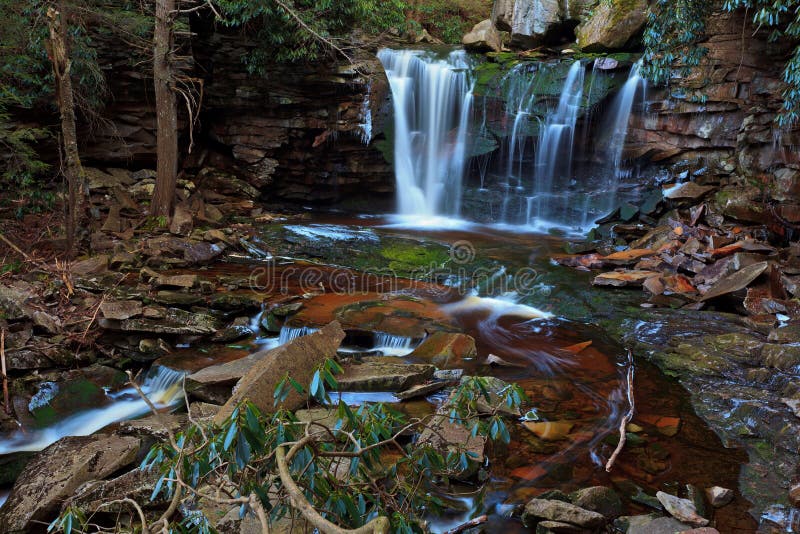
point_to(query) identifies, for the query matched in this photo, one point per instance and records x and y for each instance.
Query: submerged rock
(57, 471)
(445, 349)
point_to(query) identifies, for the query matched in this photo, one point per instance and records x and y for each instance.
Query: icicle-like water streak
(393, 345)
(555, 151)
(161, 385)
(432, 98)
(621, 114)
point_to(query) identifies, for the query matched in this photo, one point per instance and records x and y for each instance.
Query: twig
(628, 416)
(6, 405)
(13, 246)
(469, 524)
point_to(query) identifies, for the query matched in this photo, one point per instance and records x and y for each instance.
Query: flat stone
(420, 390)
(298, 359)
(137, 484)
(681, 509)
(554, 510)
(185, 281)
(56, 472)
(120, 310)
(373, 375)
(660, 525)
(174, 321)
(688, 190)
(14, 301)
(93, 265)
(555, 527)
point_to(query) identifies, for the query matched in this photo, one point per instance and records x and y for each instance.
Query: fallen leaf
(578, 347)
(736, 281)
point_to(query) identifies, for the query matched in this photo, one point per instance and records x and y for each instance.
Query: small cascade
(554, 155)
(162, 386)
(393, 345)
(432, 101)
(289, 333)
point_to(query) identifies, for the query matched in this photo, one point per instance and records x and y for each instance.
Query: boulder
(612, 25)
(137, 484)
(484, 37)
(532, 22)
(445, 349)
(553, 510)
(57, 471)
(215, 383)
(375, 375)
(14, 301)
(298, 359)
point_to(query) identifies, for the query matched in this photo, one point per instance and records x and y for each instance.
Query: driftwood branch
(628, 416)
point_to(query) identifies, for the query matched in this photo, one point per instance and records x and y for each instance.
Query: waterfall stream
(432, 100)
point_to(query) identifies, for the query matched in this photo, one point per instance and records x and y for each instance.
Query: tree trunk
(166, 111)
(76, 186)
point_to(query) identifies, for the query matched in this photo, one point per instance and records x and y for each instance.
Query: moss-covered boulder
(612, 25)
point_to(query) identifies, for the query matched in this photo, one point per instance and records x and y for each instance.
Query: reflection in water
(161, 385)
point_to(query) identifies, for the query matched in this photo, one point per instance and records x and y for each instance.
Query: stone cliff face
(299, 133)
(722, 115)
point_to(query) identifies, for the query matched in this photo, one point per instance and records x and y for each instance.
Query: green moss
(410, 257)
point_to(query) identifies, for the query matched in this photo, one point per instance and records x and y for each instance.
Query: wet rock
(789, 333)
(555, 527)
(681, 509)
(784, 357)
(232, 333)
(687, 190)
(736, 281)
(214, 383)
(612, 25)
(375, 375)
(57, 471)
(120, 310)
(178, 298)
(718, 496)
(445, 349)
(650, 524)
(421, 390)
(154, 427)
(298, 359)
(600, 499)
(562, 512)
(285, 310)
(483, 37)
(701, 530)
(234, 302)
(632, 278)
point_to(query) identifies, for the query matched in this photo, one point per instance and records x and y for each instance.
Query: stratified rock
(612, 25)
(562, 512)
(57, 471)
(137, 484)
(718, 496)
(681, 509)
(421, 390)
(173, 321)
(445, 349)
(373, 375)
(185, 281)
(484, 37)
(600, 499)
(298, 359)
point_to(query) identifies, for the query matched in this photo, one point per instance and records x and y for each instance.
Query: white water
(554, 153)
(392, 345)
(432, 99)
(161, 385)
(620, 117)
(289, 333)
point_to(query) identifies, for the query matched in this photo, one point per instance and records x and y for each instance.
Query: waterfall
(620, 117)
(553, 170)
(162, 386)
(392, 345)
(432, 100)
(290, 333)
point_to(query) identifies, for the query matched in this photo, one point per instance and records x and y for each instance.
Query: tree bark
(166, 111)
(76, 179)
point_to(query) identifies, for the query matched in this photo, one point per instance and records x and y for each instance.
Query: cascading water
(555, 152)
(432, 99)
(620, 117)
(393, 345)
(161, 385)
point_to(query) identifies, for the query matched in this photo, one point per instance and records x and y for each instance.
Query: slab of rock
(681, 509)
(137, 484)
(298, 359)
(648, 524)
(688, 190)
(483, 37)
(736, 281)
(555, 527)
(378, 375)
(93, 265)
(57, 471)
(14, 301)
(629, 278)
(119, 310)
(181, 222)
(421, 390)
(600, 499)
(553, 510)
(445, 349)
(612, 25)
(173, 321)
(215, 383)
(184, 281)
